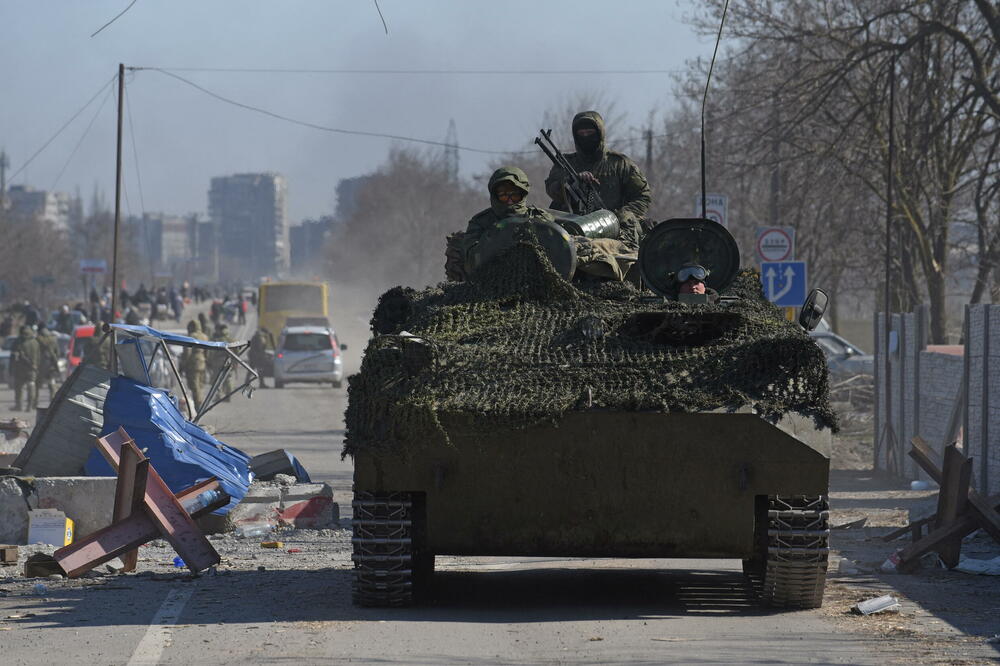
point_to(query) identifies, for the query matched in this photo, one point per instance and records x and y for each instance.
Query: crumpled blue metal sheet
(181, 452)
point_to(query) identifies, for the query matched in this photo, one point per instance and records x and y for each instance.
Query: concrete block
(261, 504)
(88, 500)
(303, 505)
(13, 511)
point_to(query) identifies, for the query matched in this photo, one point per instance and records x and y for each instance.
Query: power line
(82, 137)
(135, 155)
(117, 16)
(336, 130)
(60, 130)
(429, 72)
(384, 25)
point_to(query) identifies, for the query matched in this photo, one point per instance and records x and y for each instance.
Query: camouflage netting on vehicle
(518, 345)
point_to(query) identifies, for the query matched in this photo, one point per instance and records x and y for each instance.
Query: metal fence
(941, 393)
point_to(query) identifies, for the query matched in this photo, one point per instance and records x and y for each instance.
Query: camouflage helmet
(512, 175)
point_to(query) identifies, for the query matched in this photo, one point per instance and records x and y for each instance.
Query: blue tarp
(181, 452)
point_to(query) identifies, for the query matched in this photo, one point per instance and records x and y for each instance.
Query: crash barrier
(937, 392)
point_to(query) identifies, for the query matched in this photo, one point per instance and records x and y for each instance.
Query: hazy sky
(184, 137)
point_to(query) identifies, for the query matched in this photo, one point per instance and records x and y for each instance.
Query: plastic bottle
(254, 529)
(201, 501)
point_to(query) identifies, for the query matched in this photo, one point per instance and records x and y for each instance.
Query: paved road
(484, 610)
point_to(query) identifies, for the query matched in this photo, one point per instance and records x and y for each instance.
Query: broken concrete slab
(303, 505)
(88, 500)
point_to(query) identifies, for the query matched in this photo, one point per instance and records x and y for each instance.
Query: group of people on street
(34, 363)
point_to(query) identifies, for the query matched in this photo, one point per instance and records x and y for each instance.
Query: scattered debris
(853, 525)
(272, 544)
(267, 465)
(41, 565)
(960, 510)
(971, 565)
(49, 526)
(920, 484)
(891, 564)
(8, 554)
(884, 604)
(39, 589)
(145, 509)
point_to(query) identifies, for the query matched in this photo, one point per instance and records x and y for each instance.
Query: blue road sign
(785, 282)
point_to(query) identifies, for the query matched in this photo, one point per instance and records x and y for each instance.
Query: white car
(308, 354)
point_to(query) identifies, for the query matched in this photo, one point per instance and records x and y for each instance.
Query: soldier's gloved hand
(588, 177)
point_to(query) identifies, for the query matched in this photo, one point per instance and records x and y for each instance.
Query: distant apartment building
(308, 241)
(26, 202)
(169, 245)
(249, 212)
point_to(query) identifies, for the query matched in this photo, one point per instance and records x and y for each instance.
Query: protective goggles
(692, 272)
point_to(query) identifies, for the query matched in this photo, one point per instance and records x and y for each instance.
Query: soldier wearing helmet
(508, 188)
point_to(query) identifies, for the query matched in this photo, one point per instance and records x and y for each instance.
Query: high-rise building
(249, 212)
(29, 203)
(308, 241)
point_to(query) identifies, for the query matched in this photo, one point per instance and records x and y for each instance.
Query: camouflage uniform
(48, 369)
(193, 365)
(623, 188)
(499, 210)
(97, 351)
(258, 354)
(25, 360)
(217, 359)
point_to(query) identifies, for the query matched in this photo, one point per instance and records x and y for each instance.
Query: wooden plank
(110, 542)
(965, 525)
(952, 498)
(926, 458)
(979, 506)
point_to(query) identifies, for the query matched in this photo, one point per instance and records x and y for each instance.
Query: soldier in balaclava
(508, 187)
(622, 186)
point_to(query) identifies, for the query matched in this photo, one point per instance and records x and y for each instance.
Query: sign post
(716, 208)
(775, 243)
(785, 282)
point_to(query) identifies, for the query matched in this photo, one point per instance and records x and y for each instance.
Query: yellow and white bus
(281, 304)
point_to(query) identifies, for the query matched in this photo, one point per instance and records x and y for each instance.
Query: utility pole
(775, 166)
(649, 153)
(118, 214)
(451, 152)
(4, 164)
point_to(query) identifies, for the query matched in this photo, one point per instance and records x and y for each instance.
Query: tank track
(383, 549)
(798, 549)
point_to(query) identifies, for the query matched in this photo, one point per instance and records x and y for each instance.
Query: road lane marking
(157, 637)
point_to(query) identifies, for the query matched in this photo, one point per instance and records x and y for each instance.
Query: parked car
(844, 359)
(77, 343)
(308, 354)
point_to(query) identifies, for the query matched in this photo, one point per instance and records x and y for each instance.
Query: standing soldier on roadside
(193, 365)
(48, 367)
(25, 360)
(258, 354)
(622, 186)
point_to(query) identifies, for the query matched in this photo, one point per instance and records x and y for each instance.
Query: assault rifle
(581, 197)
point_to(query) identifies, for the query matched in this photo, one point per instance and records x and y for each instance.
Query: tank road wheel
(387, 527)
(797, 551)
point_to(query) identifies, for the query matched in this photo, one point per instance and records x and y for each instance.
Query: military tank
(525, 413)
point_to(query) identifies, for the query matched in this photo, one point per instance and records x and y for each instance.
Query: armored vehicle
(526, 413)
